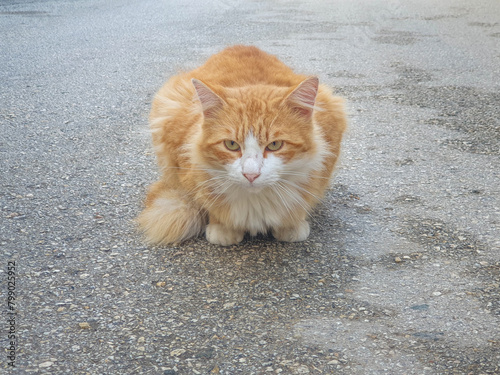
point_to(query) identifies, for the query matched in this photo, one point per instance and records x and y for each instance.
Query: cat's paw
(292, 234)
(221, 235)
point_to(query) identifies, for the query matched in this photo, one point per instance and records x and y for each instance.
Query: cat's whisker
(194, 169)
(307, 207)
(284, 201)
(305, 175)
(297, 186)
(298, 199)
(213, 199)
(319, 199)
(303, 204)
(210, 183)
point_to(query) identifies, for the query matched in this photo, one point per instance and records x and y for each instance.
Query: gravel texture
(401, 273)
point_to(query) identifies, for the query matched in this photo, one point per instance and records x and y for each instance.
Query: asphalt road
(401, 272)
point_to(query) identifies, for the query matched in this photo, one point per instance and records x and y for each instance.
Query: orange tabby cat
(245, 145)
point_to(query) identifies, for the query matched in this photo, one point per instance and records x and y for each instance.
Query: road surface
(401, 272)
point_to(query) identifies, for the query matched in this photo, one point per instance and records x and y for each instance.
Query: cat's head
(256, 136)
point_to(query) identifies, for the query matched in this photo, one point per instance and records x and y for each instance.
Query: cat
(245, 145)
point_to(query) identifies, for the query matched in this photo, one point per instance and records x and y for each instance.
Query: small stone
(334, 362)
(398, 260)
(420, 307)
(177, 352)
(84, 325)
(229, 305)
(436, 294)
(161, 284)
(141, 340)
(301, 370)
(46, 364)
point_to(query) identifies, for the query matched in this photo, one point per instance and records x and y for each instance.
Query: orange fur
(238, 94)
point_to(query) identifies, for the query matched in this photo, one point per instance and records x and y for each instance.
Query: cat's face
(254, 140)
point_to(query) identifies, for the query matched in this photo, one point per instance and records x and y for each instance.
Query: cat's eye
(274, 146)
(232, 145)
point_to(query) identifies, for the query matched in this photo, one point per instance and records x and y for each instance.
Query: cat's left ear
(303, 97)
(210, 101)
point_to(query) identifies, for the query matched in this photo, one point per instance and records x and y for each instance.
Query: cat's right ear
(210, 101)
(302, 99)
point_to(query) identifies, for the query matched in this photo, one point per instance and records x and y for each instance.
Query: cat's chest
(257, 212)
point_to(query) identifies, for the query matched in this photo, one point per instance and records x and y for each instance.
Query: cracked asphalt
(401, 273)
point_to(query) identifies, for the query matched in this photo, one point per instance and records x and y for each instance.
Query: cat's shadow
(260, 268)
(260, 257)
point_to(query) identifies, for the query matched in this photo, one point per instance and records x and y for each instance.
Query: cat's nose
(251, 176)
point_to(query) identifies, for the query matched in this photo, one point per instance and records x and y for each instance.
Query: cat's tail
(169, 217)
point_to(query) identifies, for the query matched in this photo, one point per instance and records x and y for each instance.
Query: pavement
(401, 272)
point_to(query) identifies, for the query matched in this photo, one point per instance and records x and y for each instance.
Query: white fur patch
(221, 235)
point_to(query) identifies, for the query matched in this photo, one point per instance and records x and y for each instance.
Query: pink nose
(251, 176)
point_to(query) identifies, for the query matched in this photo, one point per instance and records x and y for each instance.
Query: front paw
(221, 235)
(298, 233)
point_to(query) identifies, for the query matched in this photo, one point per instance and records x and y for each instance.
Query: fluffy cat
(245, 145)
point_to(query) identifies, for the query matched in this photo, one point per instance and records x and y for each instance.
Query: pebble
(177, 352)
(84, 325)
(398, 260)
(46, 364)
(301, 370)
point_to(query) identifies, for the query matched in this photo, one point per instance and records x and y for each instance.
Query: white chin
(252, 188)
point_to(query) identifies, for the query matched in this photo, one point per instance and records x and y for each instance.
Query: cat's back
(246, 65)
